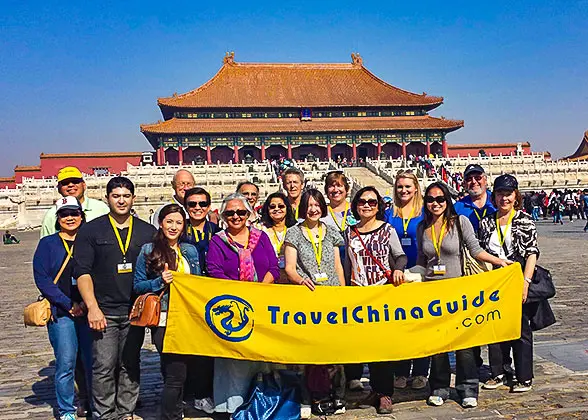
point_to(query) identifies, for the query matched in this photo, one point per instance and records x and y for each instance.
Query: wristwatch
(528, 280)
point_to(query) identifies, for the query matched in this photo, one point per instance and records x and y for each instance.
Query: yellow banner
(291, 324)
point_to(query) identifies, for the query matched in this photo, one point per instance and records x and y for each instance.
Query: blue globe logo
(230, 318)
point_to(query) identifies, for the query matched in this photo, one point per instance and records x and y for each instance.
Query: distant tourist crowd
(94, 259)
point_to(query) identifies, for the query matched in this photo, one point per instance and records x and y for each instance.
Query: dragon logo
(230, 317)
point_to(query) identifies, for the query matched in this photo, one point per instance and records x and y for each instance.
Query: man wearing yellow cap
(71, 183)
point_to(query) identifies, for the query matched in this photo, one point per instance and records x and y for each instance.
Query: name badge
(439, 269)
(406, 241)
(74, 281)
(321, 277)
(281, 262)
(124, 268)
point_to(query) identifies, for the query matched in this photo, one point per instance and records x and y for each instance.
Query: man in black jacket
(106, 250)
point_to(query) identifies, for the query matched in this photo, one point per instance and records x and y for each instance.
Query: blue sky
(82, 76)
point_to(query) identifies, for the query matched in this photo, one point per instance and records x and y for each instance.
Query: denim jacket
(147, 282)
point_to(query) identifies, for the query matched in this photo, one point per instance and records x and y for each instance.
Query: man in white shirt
(71, 183)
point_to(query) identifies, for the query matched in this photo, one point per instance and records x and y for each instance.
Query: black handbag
(541, 286)
(543, 315)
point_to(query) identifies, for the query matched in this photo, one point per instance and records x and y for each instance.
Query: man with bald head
(182, 181)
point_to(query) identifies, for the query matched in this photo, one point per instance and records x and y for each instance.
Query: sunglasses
(74, 181)
(474, 177)
(192, 204)
(372, 202)
(277, 206)
(69, 213)
(430, 199)
(231, 213)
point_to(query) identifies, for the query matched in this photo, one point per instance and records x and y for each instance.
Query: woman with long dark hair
(68, 329)
(153, 273)
(439, 252)
(276, 217)
(374, 257)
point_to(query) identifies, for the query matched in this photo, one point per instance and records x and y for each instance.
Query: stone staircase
(363, 177)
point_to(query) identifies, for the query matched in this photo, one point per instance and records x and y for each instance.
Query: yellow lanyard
(278, 242)
(125, 248)
(196, 234)
(406, 222)
(478, 215)
(437, 244)
(317, 247)
(296, 213)
(502, 235)
(179, 261)
(344, 220)
(67, 248)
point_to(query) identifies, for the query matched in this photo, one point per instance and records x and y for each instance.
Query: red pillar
(444, 148)
(404, 149)
(379, 150)
(180, 155)
(354, 147)
(328, 151)
(263, 152)
(289, 151)
(428, 148)
(208, 155)
(161, 157)
(236, 154)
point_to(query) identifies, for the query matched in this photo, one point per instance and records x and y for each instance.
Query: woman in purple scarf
(245, 254)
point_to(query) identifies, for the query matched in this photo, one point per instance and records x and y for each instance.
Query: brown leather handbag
(146, 310)
(38, 314)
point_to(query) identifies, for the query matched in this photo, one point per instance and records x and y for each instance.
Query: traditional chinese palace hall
(264, 110)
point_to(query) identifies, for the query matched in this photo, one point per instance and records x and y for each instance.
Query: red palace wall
(87, 164)
(465, 150)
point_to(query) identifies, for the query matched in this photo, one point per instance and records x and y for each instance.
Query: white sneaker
(435, 400)
(204, 404)
(355, 385)
(469, 402)
(305, 411)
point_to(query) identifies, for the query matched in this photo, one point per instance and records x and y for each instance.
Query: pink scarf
(246, 266)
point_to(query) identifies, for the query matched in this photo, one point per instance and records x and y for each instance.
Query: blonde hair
(418, 194)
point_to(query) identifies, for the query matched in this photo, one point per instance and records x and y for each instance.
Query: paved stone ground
(561, 352)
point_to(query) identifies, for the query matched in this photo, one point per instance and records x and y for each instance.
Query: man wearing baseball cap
(477, 204)
(71, 183)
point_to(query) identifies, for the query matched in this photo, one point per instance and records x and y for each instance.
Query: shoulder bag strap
(60, 272)
(461, 244)
(378, 263)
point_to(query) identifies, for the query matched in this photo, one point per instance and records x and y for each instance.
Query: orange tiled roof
(582, 152)
(7, 179)
(294, 125)
(26, 168)
(89, 155)
(273, 85)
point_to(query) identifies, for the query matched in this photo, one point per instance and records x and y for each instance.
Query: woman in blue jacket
(405, 216)
(153, 273)
(68, 328)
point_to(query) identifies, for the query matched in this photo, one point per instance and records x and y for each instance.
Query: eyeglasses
(69, 213)
(478, 178)
(74, 181)
(192, 204)
(372, 202)
(185, 184)
(439, 200)
(231, 213)
(277, 206)
(249, 193)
